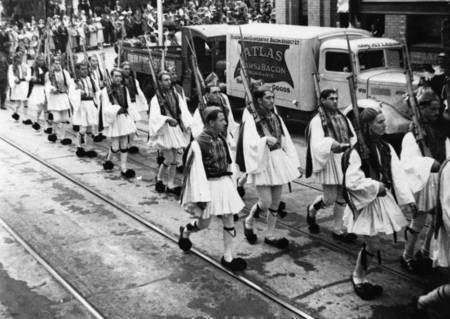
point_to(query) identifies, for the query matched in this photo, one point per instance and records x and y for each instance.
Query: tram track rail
(347, 249)
(52, 271)
(210, 260)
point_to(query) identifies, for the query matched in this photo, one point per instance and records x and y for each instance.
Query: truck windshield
(372, 59)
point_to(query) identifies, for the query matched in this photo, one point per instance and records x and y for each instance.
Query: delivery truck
(287, 56)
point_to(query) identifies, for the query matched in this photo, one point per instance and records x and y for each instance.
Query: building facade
(424, 25)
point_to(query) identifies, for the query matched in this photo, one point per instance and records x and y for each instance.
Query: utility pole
(159, 11)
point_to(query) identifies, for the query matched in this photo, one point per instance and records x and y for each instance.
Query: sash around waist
(218, 175)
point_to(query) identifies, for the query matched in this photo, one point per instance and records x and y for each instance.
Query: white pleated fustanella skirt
(224, 199)
(170, 137)
(332, 172)
(426, 199)
(383, 215)
(86, 115)
(37, 98)
(278, 170)
(122, 126)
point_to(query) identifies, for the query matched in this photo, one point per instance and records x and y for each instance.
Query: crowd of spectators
(96, 27)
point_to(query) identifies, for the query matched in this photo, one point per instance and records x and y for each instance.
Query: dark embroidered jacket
(118, 95)
(215, 154)
(273, 122)
(436, 135)
(39, 73)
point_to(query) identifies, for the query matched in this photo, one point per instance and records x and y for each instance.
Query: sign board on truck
(270, 60)
(139, 61)
(283, 56)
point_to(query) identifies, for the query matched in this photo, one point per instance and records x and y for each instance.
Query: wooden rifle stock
(246, 82)
(419, 132)
(70, 56)
(199, 81)
(447, 92)
(363, 149)
(107, 77)
(316, 78)
(153, 74)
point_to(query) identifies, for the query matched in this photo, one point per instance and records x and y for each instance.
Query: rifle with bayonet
(104, 70)
(447, 93)
(70, 58)
(199, 81)
(316, 78)
(363, 149)
(246, 82)
(418, 130)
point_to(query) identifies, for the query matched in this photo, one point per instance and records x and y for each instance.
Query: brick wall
(281, 13)
(395, 27)
(315, 14)
(421, 57)
(287, 11)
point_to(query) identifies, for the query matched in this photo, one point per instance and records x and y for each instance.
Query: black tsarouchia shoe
(313, 227)
(129, 173)
(36, 126)
(66, 141)
(250, 235)
(237, 264)
(52, 138)
(80, 152)
(280, 243)
(108, 165)
(185, 244)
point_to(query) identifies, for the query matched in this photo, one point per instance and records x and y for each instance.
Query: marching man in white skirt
(209, 189)
(85, 113)
(136, 95)
(369, 188)
(101, 77)
(119, 117)
(329, 134)
(37, 97)
(59, 88)
(170, 131)
(270, 162)
(422, 171)
(214, 96)
(438, 300)
(19, 76)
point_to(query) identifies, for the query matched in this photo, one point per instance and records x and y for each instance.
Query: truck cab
(378, 66)
(287, 57)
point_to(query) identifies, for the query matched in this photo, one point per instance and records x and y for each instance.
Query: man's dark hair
(213, 114)
(116, 70)
(327, 92)
(261, 91)
(161, 74)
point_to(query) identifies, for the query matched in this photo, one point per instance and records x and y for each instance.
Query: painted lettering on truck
(266, 62)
